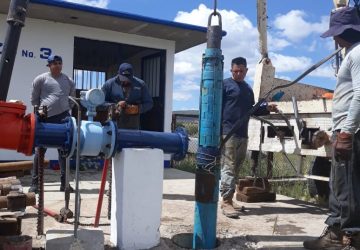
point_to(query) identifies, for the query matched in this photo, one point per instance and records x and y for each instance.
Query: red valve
(16, 130)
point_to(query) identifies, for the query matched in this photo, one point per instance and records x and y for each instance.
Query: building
(93, 42)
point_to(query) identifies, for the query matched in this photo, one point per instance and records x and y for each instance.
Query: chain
(40, 166)
(86, 224)
(110, 189)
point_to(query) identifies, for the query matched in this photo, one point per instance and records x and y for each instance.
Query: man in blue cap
(130, 95)
(52, 89)
(343, 223)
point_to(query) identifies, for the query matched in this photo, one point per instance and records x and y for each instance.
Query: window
(86, 79)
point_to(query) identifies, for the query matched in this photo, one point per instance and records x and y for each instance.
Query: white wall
(59, 38)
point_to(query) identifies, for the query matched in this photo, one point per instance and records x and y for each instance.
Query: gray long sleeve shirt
(52, 92)
(346, 102)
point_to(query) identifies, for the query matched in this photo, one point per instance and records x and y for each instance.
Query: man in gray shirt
(343, 223)
(52, 89)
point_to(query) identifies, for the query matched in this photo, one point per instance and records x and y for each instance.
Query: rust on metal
(16, 201)
(204, 187)
(10, 225)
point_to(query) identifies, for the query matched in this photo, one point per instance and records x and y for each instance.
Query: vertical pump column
(208, 154)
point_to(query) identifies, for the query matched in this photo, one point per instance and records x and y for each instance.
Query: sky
(294, 43)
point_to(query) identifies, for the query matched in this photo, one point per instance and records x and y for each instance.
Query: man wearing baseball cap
(130, 96)
(343, 223)
(52, 89)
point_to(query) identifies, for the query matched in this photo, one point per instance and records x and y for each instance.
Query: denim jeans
(344, 199)
(62, 160)
(232, 156)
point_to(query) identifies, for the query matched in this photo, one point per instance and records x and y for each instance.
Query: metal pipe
(77, 194)
(175, 143)
(16, 20)
(101, 192)
(208, 154)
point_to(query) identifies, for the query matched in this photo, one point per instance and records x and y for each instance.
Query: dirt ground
(283, 224)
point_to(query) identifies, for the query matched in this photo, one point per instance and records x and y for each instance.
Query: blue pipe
(208, 154)
(96, 139)
(54, 135)
(174, 143)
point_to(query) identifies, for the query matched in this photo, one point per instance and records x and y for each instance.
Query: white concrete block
(61, 239)
(137, 181)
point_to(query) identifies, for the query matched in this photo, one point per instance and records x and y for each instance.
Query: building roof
(185, 35)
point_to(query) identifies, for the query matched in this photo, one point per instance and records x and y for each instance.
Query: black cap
(341, 20)
(125, 72)
(54, 58)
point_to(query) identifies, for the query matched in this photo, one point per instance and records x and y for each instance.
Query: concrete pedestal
(137, 181)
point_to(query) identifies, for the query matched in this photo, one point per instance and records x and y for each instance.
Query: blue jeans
(62, 160)
(232, 156)
(344, 199)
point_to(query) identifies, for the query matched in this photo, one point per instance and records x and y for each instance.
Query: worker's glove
(272, 108)
(342, 146)
(132, 109)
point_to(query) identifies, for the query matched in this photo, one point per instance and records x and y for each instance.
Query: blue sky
(293, 38)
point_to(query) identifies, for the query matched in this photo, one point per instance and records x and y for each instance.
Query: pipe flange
(181, 132)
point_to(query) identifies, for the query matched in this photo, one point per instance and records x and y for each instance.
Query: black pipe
(15, 20)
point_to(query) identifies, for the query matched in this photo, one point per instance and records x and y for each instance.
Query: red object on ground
(101, 192)
(17, 131)
(48, 212)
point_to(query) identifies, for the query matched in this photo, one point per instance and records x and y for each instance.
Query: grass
(281, 169)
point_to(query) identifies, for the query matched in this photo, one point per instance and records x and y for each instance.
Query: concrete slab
(89, 239)
(283, 224)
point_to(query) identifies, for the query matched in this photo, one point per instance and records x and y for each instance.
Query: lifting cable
(215, 13)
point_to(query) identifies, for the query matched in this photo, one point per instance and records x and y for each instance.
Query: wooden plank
(18, 165)
(317, 177)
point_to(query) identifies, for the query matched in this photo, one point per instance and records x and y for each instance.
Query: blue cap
(54, 58)
(341, 20)
(125, 72)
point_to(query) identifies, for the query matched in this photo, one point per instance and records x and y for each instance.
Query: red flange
(17, 131)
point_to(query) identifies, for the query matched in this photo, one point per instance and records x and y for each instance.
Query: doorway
(96, 61)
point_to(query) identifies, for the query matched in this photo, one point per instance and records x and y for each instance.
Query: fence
(280, 168)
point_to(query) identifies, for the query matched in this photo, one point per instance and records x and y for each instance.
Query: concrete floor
(280, 225)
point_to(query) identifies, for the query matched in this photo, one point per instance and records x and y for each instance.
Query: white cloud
(181, 96)
(294, 27)
(94, 3)
(324, 71)
(241, 40)
(284, 63)
(276, 44)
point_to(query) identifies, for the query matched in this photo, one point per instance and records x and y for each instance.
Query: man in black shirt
(238, 99)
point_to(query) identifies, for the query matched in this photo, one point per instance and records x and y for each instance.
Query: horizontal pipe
(55, 135)
(173, 143)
